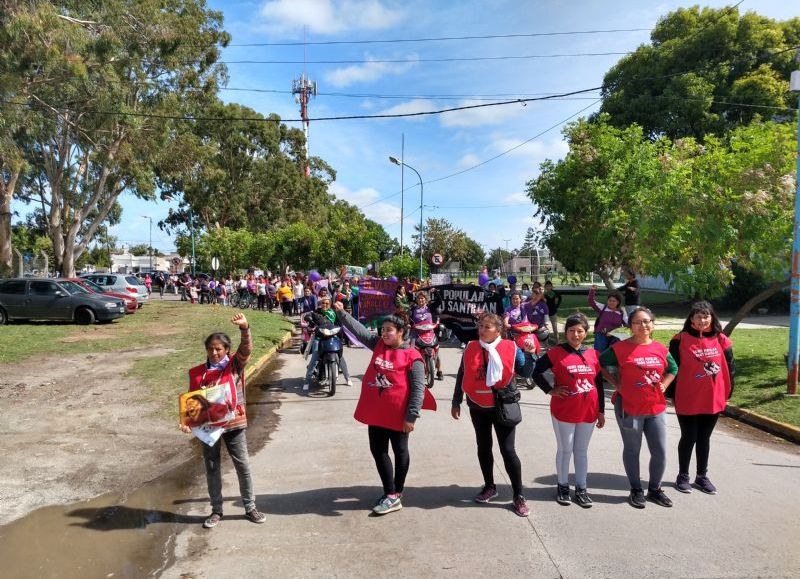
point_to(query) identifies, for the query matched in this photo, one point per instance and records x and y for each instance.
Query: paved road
(315, 479)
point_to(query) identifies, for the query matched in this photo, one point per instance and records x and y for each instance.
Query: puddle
(129, 535)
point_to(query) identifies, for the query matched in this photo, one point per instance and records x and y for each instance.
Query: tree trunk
(607, 280)
(6, 192)
(753, 302)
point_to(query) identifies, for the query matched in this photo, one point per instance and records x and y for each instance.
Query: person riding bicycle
(421, 312)
(324, 316)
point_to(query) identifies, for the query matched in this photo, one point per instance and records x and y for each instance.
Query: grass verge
(176, 328)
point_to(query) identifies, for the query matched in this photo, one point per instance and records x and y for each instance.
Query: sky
(474, 163)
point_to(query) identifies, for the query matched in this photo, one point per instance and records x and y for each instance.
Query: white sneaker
(349, 382)
(305, 387)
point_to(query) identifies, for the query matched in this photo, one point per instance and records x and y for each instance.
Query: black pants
(696, 430)
(482, 421)
(286, 307)
(379, 438)
(262, 302)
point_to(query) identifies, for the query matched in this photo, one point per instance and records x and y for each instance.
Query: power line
(442, 38)
(416, 60)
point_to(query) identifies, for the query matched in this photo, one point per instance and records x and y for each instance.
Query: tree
(729, 202)
(402, 266)
(140, 249)
(698, 61)
(453, 243)
(98, 78)
(590, 202)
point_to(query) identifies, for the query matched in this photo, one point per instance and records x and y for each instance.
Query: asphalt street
(316, 481)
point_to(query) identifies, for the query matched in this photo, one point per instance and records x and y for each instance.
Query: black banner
(459, 306)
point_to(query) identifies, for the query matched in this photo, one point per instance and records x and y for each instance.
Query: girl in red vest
(392, 394)
(646, 368)
(703, 386)
(577, 403)
(220, 368)
(488, 363)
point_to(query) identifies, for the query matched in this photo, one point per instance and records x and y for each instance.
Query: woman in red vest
(222, 369)
(702, 389)
(646, 369)
(577, 402)
(490, 363)
(392, 394)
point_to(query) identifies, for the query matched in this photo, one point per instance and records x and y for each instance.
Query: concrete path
(316, 481)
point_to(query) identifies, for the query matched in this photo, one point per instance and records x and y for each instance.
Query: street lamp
(150, 247)
(402, 164)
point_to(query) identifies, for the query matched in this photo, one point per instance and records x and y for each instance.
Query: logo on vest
(381, 382)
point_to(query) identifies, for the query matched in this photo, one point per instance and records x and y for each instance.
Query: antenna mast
(303, 89)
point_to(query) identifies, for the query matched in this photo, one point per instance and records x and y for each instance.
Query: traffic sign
(215, 263)
(437, 259)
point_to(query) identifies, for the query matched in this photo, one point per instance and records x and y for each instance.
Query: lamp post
(191, 227)
(150, 247)
(403, 164)
(794, 305)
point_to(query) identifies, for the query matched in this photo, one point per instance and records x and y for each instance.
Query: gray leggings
(572, 438)
(631, 428)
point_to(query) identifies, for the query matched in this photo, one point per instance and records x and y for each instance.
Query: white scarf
(494, 369)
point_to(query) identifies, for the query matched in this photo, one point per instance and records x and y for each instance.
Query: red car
(131, 304)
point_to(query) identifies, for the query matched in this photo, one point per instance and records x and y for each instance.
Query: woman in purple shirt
(609, 317)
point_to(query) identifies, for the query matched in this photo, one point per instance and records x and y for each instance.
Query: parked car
(47, 299)
(120, 282)
(131, 303)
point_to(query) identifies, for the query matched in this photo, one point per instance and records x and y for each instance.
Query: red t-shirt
(703, 384)
(641, 368)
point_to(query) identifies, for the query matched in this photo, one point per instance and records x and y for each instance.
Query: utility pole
(794, 304)
(402, 185)
(150, 247)
(303, 89)
(507, 252)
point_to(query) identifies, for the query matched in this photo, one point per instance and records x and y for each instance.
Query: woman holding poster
(392, 394)
(224, 372)
(646, 369)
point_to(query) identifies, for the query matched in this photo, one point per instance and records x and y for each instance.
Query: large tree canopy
(698, 62)
(96, 80)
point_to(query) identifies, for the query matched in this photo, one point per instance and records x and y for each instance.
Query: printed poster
(206, 411)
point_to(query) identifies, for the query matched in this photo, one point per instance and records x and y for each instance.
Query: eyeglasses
(642, 322)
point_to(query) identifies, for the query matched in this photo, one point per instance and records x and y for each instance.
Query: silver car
(120, 282)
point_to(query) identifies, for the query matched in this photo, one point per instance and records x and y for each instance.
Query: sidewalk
(316, 480)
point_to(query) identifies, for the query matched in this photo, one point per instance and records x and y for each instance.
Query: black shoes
(582, 498)
(636, 499)
(658, 497)
(562, 495)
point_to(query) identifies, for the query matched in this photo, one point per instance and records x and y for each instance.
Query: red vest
(641, 368)
(473, 382)
(385, 389)
(578, 375)
(703, 384)
(202, 377)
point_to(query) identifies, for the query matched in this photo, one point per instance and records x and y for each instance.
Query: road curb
(787, 431)
(256, 367)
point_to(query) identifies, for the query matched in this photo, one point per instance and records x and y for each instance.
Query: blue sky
(487, 202)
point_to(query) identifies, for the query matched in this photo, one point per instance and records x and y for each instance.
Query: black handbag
(506, 402)
(506, 406)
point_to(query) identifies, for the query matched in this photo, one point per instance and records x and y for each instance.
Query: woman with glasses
(646, 369)
(702, 389)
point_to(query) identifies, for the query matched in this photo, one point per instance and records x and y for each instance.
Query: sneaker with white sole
(212, 521)
(305, 387)
(387, 505)
(349, 382)
(705, 485)
(682, 483)
(487, 493)
(520, 506)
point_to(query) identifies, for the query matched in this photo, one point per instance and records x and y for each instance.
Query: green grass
(760, 373)
(176, 329)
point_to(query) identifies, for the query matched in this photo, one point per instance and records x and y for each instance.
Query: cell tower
(303, 89)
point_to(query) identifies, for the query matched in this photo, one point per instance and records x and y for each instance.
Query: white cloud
(369, 71)
(327, 16)
(468, 160)
(535, 151)
(381, 212)
(490, 115)
(517, 198)
(410, 107)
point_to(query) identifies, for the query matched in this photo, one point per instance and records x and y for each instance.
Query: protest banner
(459, 306)
(375, 298)
(438, 279)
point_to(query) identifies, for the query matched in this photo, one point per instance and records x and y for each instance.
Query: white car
(121, 282)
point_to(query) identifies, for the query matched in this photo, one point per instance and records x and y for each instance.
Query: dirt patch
(75, 427)
(103, 332)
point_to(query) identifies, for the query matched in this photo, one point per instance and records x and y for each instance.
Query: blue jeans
(314, 358)
(654, 428)
(236, 443)
(602, 342)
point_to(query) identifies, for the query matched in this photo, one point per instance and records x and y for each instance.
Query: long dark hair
(400, 320)
(703, 307)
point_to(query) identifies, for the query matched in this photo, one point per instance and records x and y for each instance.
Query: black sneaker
(658, 497)
(636, 499)
(562, 495)
(582, 498)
